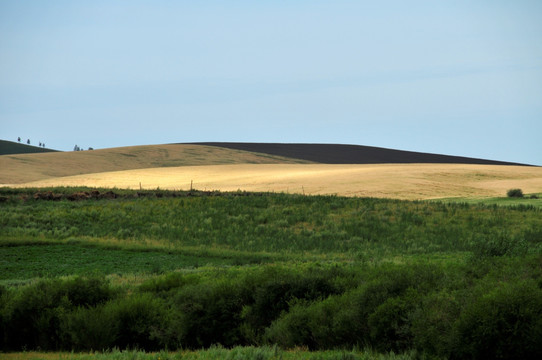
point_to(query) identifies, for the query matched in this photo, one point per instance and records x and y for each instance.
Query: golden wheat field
(401, 181)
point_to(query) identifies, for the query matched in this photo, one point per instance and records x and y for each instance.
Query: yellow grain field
(401, 181)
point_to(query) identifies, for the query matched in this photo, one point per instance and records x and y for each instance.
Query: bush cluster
(515, 193)
(489, 311)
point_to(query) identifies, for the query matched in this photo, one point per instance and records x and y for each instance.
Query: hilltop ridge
(352, 154)
(13, 148)
(24, 167)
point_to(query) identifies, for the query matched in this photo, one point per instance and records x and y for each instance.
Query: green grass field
(261, 274)
(216, 353)
(528, 200)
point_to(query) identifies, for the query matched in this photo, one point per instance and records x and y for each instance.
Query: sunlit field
(399, 181)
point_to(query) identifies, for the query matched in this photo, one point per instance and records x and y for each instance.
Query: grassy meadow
(215, 353)
(207, 274)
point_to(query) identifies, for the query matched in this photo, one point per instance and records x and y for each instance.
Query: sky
(451, 77)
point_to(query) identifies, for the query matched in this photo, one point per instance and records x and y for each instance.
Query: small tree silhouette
(19, 139)
(28, 141)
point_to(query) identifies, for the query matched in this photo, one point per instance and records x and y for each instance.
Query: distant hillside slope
(10, 147)
(22, 168)
(352, 154)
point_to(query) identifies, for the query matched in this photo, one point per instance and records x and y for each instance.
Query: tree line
(42, 145)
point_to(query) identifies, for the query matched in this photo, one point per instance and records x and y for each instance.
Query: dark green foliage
(209, 314)
(376, 313)
(505, 323)
(87, 292)
(32, 316)
(90, 329)
(433, 320)
(139, 320)
(515, 193)
(136, 322)
(276, 290)
(438, 310)
(498, 245)
(390, 323)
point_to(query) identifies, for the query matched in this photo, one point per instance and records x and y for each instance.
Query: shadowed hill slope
(10, 148)
(352, 154)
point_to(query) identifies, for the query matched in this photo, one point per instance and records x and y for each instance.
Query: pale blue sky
(452, 77)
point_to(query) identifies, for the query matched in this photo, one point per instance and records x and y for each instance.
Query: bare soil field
(22, 168)
(353, 154)
(400, 181)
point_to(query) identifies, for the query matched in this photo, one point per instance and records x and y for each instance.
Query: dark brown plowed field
(352, 154)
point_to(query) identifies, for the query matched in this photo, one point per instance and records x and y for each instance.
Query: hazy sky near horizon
(452, 77)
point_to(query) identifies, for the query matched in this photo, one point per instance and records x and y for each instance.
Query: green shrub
(209, 314)
(503, 324)
(87, 292)
(292, 329)
(3, 300)
(140, 320)
(32, 316)
(162, 285)
(515, 193)
(136, 322)
(376, 313)
(276, 290)
(432, 323)
(390, 323)
(331, 323)
(87, 329)
(496, 245)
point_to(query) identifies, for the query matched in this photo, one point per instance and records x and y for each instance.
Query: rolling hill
(10, 147)
(23, 168)
(347, 170)
(352, 154)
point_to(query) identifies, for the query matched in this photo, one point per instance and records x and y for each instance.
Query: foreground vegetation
(160, 270)
(217, 353)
